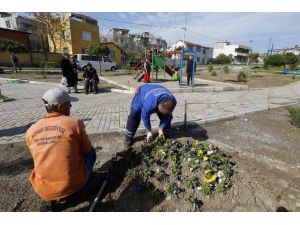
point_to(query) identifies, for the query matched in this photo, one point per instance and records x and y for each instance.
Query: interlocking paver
(109, 111)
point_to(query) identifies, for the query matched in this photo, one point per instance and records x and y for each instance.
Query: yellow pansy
(199, 152)
(210, 179)
(207, 172)
(205, 158)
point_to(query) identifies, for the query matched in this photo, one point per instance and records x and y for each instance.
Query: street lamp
(250, 45)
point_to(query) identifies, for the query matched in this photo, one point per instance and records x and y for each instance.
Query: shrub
(274, 60)
(214, 73)
(45, 66)
(242, 76)
(210, 67)
(222, 59)
(226, 70)
(293, 66)
(294, 115)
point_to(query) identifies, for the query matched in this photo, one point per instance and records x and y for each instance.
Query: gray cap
(57, 96)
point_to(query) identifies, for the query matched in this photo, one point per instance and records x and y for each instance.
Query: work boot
(127, 145)
(128, 142)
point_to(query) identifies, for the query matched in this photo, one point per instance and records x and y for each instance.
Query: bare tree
(55, 27)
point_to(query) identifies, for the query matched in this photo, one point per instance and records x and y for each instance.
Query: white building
(295, 50)
(118, 36)
(238, 52)
(145, 40)
(203, 53)
(38, 40)
(20, 23)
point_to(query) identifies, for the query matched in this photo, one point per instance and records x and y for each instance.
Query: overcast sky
(207, 28)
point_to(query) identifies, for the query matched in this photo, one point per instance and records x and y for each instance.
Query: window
(106, 59)
(198, 49)
(95, 58)
(7, 23)
(85, 57)
(198, 59)
(86, 36)
(204, 51)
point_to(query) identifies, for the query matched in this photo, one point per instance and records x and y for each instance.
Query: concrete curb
(57, 84)
(178, 125)
(225, 87)
(128, 88)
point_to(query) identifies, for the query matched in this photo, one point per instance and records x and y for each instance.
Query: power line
(202, 35)
(139, 24)
(158, 26)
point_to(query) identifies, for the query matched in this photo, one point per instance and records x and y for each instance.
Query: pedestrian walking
(15, 62)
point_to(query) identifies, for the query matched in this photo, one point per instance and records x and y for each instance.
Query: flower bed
(183, 171)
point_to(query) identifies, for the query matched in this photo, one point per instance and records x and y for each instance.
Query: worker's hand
(161, 133)
(149, 136)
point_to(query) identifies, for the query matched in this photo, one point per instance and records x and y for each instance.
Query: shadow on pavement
(14, 130)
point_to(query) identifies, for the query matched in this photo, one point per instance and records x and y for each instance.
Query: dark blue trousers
(133, 122)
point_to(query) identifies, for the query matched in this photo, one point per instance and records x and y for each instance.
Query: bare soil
(264, 145)
(255, 79)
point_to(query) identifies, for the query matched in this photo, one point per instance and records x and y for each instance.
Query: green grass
(270, 69)
(294, 114)
(273, 69)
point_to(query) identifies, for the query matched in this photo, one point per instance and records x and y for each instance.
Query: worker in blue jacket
(149, 99)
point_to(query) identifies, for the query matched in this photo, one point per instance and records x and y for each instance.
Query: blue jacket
(189, 67)
(146, 101)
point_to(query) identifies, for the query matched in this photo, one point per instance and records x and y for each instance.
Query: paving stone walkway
(107, 112)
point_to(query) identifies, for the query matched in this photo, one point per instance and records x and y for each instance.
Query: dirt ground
(255, 79)
(264, 145)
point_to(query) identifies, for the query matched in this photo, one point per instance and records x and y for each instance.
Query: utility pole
(184, 28)
(250, 41)
(269, 46)
(272, 47)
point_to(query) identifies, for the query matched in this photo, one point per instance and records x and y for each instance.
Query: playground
(265, 178)
(256, 78)
(201, 85)
(172, 63)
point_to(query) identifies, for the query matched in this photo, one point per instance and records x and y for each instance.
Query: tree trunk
(100, 65)
(53, 41)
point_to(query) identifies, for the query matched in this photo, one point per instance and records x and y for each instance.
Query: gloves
(161, 133)
(149, 136)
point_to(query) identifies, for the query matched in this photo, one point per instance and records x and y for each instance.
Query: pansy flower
(209, 179)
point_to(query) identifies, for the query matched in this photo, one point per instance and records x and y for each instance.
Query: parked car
(106, 63)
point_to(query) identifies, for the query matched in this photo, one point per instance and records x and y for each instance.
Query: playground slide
(138, 66)
(169, 71)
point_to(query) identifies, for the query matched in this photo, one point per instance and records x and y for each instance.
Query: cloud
(207, 28)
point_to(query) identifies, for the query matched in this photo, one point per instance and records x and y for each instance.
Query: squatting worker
(149, 99)
(62, 152)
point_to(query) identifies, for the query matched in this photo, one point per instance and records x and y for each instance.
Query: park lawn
(255, 79)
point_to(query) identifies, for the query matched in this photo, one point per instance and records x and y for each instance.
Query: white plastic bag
(63, 82)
